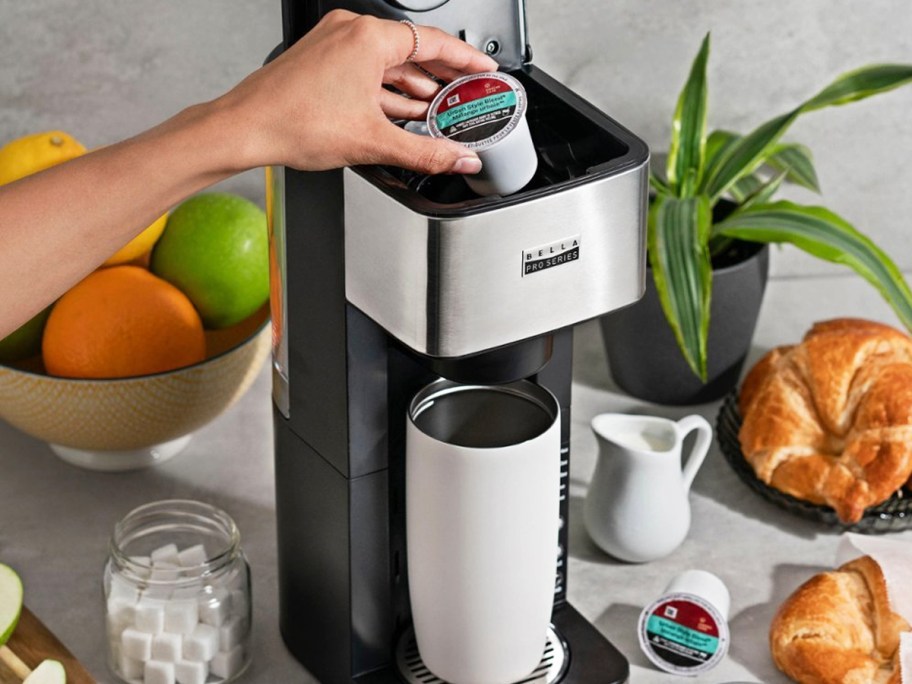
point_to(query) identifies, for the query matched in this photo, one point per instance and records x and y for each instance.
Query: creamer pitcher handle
(701, 447)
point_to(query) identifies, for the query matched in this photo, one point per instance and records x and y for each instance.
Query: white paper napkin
(895, 560)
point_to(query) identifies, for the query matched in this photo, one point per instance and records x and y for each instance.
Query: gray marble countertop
(55, 519)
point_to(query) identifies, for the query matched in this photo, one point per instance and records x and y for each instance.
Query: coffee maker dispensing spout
(384, 280)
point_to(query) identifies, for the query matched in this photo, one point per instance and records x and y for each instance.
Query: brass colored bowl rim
(127, 378)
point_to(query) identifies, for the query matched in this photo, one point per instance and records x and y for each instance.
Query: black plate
(893, 515)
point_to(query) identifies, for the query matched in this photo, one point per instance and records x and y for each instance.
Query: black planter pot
(644, 358)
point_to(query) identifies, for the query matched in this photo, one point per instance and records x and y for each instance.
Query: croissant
(837, 628)
(830, 420)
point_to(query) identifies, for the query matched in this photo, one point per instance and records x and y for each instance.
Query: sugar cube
(136, 644)
(131, 668)
(201, 644)
(165, 572)
(167, 647)
(214, 609)
(141, 565)
(157, 593)
(181, 616)
(193, 592)
(232, 632)
(123, 590)
(189, 672)
(227, 664)
(150, 617)
(121, 609)
(194, 555)
(121, 614)
(165, 554)
(157, 672)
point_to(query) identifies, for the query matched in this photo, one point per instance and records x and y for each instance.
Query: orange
(33, 153)
(141, 244)
(121, 322)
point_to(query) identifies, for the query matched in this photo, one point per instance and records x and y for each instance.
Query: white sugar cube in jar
(177, 596)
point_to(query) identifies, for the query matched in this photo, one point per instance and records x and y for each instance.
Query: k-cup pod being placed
(487, 113)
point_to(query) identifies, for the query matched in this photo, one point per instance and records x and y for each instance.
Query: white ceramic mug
(482, 512)
(637, 507)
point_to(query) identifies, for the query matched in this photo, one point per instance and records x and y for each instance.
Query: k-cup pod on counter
(487, 113)
(685, 631)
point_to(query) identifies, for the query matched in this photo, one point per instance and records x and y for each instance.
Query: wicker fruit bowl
(130, 423)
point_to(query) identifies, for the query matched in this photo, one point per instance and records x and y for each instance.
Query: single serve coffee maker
(415, 320)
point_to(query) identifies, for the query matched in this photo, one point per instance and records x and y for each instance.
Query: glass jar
(177, 596)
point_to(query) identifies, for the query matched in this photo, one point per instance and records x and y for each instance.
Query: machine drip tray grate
(551, 668)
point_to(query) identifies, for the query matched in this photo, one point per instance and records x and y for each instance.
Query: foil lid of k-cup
(487, 113)
(478, 110)
(685, 631)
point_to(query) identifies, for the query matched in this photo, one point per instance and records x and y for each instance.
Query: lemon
(139, 245)
(33, 153)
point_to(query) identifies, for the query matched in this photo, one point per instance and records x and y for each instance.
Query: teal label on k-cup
(683, 634)
(476, 109)
(471, 114)
(680, 639)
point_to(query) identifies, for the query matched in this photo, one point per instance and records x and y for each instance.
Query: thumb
(425, 154)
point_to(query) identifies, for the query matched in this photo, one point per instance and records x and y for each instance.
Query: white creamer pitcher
(637, 507)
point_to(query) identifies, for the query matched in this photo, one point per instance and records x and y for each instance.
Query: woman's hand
(321, 104)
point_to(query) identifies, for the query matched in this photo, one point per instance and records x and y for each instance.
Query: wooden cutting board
(33, 642)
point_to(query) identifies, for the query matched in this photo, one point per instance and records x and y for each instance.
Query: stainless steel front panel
(457, 286)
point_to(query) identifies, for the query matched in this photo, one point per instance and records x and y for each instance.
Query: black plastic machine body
(384, 280)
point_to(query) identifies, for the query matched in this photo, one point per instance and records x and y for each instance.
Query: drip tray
(552, 667)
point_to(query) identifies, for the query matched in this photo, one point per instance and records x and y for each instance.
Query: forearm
(59, 225)
(319, 105)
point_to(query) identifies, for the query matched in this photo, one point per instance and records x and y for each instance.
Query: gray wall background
(105, 70)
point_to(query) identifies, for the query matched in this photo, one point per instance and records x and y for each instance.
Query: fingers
(393, 145)
(442, 71)
(409, 80)
(398, 107)
(434, 45)
(439, 46)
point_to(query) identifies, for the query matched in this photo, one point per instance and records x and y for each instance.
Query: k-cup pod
(482, 484)
(685, 631)
(487, 113)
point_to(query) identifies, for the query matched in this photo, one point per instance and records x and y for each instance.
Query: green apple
(215, 249)
(25, 341)
(48, 672)
(10, 602)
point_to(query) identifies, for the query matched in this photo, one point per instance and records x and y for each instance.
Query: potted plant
(711, 217)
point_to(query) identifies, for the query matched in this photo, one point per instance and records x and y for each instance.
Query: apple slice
(10, 602)
(48, 672)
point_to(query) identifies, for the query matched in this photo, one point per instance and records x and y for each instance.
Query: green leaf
(745, 155)
(791, 157)
(657, 183)
(746, 187)
(717, 143)
(688, 129)
(861, 83)
(825, 235)
(678, 235)
(798, 162)
(763, 193)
